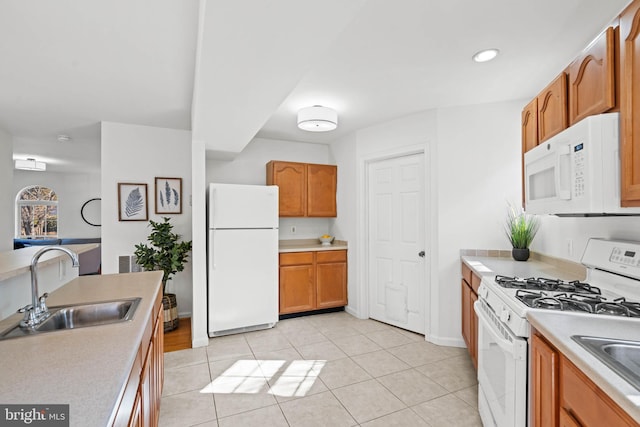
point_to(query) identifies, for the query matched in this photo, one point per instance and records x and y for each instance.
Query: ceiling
(247, 66)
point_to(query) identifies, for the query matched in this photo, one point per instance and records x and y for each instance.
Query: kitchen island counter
(558, 328)
(87, 368)
(309, 245)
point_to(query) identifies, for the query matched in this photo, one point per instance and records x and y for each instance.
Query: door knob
(421, 254)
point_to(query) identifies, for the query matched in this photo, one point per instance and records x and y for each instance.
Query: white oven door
(502, 372)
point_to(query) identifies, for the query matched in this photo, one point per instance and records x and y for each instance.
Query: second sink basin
(79, 316)
(620, 355)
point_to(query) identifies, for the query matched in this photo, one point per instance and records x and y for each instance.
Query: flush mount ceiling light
(64, 138)
(30, 165)
(485, 55)
(317, 119)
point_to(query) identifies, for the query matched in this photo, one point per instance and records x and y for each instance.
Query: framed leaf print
(132, 202)
(168, 195)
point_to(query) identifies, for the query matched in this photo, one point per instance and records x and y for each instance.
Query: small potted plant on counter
(168, 254)
(520, 229)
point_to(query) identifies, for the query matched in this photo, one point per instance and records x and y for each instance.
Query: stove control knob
(505, 315)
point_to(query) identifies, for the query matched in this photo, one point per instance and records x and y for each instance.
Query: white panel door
(396, 234)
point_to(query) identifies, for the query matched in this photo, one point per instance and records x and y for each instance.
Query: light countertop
(558, 329)
(307, 245)
(16, 262)
(86, 368)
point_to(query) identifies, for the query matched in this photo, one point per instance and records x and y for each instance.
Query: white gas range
(611, 288)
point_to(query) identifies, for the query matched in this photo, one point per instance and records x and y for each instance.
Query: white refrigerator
(242, 258)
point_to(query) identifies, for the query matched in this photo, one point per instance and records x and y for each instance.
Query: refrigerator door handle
(211, 251)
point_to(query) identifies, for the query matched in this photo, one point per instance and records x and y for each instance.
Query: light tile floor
(322, 370)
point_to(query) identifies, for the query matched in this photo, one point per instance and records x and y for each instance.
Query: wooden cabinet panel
(312, 280)
(544, 387)
(331, 256)
(592, 79)
(331, 284)
(552, 108)
(322, 182)
(136, 413)
(630, 104)
(306, 190)
(291, 180)
(530, 126)
(297, 288)
(566, 420)
(147, 389)
(296, 258)
(469, 320)
(586, 402)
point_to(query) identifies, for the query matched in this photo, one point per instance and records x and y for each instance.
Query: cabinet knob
(421, 254)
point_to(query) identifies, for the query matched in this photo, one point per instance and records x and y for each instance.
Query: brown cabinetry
(592, 79)
(305, 189)
(630, 104)
(530, 126)
(562, 395)
(470, 283)
(552, 108)
(544, 374)
(140, 402)
(312, 280)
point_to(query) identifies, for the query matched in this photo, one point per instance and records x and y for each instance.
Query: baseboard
(445, 341)
(200, 342)
(353, 312)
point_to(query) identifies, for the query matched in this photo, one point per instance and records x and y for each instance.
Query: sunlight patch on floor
(277, 377)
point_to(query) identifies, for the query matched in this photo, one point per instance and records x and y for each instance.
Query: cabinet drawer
(331, 256)
(296, 258)
(582, 399)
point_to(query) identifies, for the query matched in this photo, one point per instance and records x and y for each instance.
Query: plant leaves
(167, 191)
(134, 203)
(176, 198)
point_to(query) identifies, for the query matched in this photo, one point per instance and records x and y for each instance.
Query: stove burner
(544, 284)
(612, 308)
(550, 303)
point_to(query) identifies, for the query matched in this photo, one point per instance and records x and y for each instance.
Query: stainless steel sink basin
(620, 355)
(79, 316)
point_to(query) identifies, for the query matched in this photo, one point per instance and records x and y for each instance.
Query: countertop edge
(310, 245)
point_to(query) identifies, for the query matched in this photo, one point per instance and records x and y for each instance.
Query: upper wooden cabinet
(305, 189)
(552, 108)
(630, 104)
(530, 126)
(592, 79)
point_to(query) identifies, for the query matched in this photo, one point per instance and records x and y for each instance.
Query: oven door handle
(505, 344)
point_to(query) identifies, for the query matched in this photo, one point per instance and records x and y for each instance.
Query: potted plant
(520, 229)
(168, 254)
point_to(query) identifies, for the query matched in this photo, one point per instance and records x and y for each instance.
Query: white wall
(73, 190)
(6, 196)
(473, 168)
(249, 167)
(138, 154)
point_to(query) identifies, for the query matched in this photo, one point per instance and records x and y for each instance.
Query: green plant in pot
(520, 229)
(166, 253)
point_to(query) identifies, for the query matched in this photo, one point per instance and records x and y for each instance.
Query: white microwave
(577, 172)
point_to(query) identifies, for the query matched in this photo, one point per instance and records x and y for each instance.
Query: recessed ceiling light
(486, 55)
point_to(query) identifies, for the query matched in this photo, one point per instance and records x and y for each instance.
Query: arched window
(36, 213)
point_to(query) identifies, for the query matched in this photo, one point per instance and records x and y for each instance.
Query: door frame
(362, 236)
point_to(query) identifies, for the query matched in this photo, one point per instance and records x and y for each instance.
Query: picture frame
(133, 202)
(168, 195)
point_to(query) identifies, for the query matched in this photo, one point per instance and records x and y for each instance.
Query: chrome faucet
(36, 312)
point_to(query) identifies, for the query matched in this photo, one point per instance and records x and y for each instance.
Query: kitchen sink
(79, 316)
(622, 356)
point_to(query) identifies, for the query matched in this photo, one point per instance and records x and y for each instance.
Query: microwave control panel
(578, 169)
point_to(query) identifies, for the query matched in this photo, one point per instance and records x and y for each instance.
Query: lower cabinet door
(297, 290)
(331, 285)
(566, 420)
